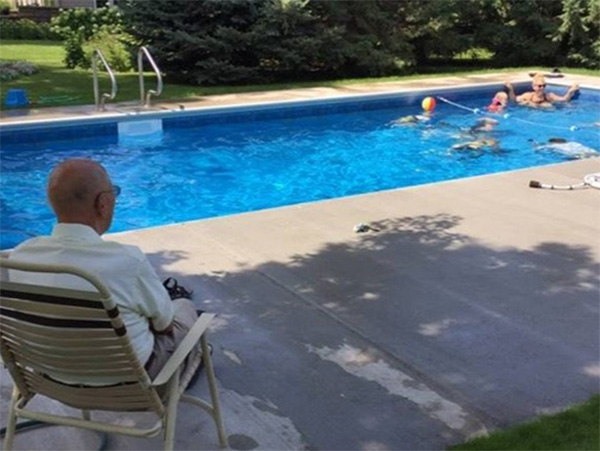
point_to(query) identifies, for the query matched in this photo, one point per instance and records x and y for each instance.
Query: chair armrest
(184, 348)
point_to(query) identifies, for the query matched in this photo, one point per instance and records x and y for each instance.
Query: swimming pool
(244, 159)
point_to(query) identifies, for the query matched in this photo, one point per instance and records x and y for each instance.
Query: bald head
(74, 187)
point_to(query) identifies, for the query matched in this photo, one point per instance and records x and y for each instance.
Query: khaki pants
(164, 345)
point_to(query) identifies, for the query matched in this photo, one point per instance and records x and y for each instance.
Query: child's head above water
(499, 102)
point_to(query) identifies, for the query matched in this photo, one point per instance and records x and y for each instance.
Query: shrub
(9, 70)
(80, 25)
(87, 22)
(113, 47)
(74, 54)
(26, 29)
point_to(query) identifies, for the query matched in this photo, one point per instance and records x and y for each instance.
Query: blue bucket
(16, 98)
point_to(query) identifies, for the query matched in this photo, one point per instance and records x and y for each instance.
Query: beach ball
(428, 104)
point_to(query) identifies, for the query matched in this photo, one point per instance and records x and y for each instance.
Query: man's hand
(165, 331)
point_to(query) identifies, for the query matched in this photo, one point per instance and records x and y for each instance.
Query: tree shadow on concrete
(505, 331)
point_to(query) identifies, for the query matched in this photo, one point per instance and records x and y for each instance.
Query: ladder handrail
(159, 85)
(101, 99)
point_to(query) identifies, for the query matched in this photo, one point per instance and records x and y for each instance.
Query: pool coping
(125, 115)
(23, 118)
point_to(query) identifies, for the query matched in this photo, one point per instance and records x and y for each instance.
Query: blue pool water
(213, 165)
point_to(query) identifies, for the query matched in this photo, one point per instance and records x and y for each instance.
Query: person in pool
(570, 149)
(477, 144)
(539, 98)
(499, 102)
(483, 125)
(479, 136)
(412, 119)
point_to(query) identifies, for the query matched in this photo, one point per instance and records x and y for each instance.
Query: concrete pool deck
(475, 305)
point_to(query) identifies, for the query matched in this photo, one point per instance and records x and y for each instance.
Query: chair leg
(171, 415)
(214, 395)
(12, 421)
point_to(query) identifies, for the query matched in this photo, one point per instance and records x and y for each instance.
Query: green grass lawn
(575, 429)
(72, 86)
(55, 85)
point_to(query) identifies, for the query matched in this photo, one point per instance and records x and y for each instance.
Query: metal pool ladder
(145, 98)
(100, 99)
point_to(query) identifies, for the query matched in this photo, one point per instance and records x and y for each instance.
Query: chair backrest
(52, 337)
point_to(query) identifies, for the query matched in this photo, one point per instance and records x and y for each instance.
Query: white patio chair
(47, 331)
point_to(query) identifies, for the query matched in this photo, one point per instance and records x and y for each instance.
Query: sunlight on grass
(46, 53)
(475, 53)
(575, 429)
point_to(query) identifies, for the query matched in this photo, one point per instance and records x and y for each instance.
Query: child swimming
(477, 144)
(499, 102)
(412, 119)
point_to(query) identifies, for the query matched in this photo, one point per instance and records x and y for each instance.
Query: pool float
(555, 73)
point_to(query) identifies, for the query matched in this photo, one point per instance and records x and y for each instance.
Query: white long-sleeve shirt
(124, 269)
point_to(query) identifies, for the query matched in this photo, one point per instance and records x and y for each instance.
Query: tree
(520, 31)
(198, 41)
(242, 41)
(579, 32)
(246, 41)
(292, 43)
(438, 28)
(372, 43)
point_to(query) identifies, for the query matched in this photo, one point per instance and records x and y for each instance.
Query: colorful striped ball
(428, 104)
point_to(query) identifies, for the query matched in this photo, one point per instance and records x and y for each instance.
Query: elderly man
(83, 199)
(539, 97)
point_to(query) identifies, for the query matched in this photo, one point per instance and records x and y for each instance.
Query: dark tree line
(246, 41)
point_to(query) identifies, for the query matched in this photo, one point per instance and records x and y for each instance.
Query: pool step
(132, 132)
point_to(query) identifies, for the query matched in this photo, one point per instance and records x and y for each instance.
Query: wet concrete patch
(242, 442)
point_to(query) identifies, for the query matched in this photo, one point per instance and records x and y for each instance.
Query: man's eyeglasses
(116, 190)
(541, 86)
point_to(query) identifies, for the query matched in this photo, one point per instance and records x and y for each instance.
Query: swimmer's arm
(511, 90)
(524, 98)
(566, 97)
